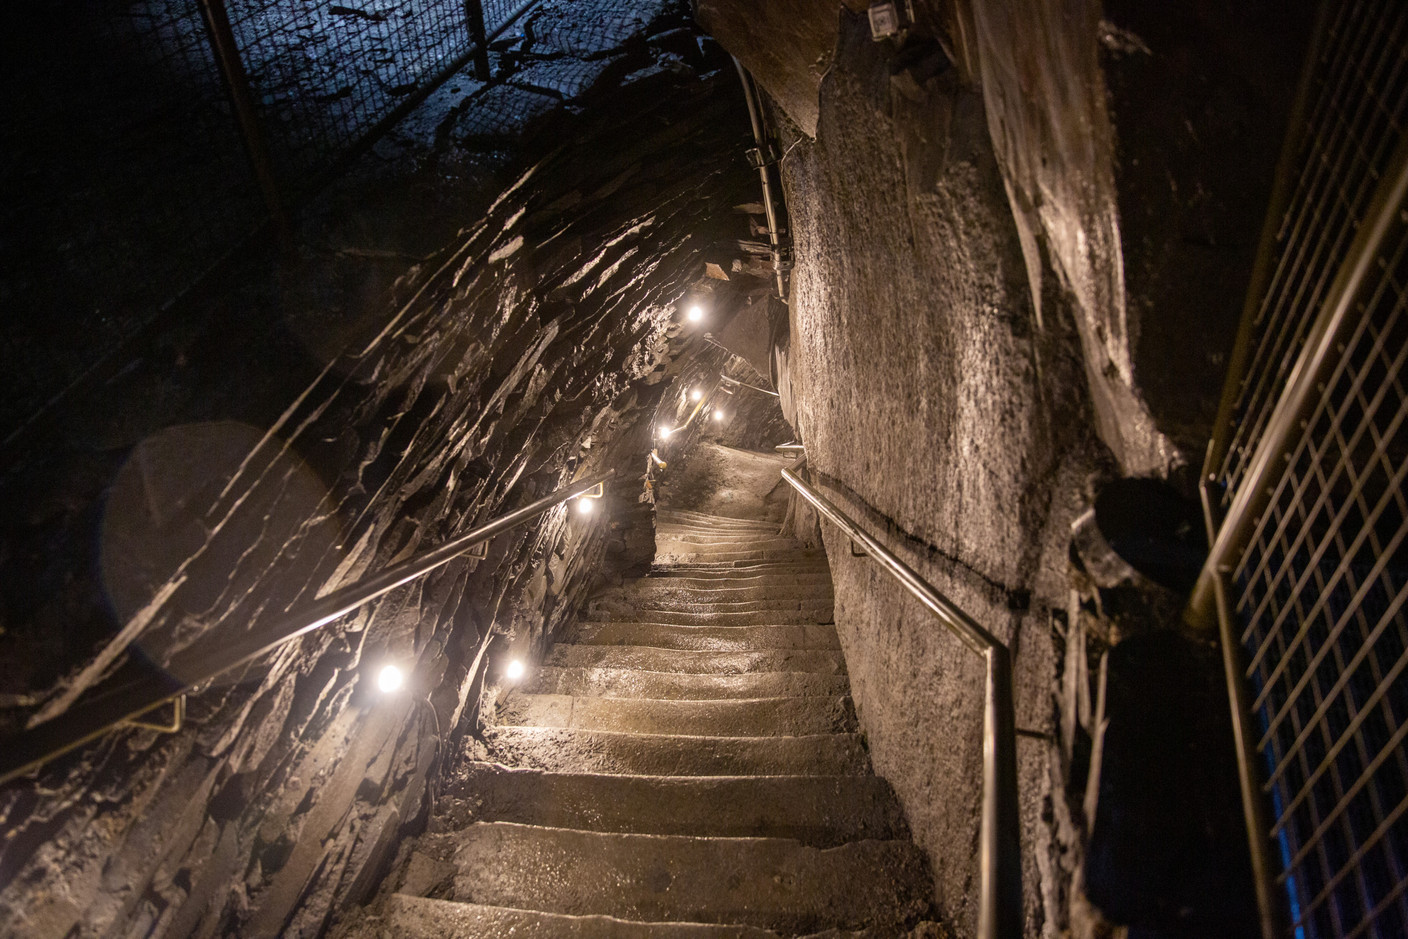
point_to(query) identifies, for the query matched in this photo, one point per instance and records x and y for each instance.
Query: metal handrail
(135, 690)
(999, 839)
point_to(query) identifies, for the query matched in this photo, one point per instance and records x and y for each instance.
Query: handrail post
(474, 16)
(1000, 842)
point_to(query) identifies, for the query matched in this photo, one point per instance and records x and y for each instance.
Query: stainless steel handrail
(999, 840)
(135, 690)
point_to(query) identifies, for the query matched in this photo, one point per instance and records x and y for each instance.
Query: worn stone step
(822, 811)
(737, 568)
(665, 555)
(406, 917)
(818, 613)
(600, 751)
(688, 517)
(733, 590)
(733, 578)
(774, 883)
(801, 599)
(573, 655)
(757, 717)
(735, 541)
(635, 683)
(707, 638)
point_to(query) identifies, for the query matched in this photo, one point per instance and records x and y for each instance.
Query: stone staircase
(685, 763)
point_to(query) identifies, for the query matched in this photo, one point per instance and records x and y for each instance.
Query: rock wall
(937, 413)
(531, 351)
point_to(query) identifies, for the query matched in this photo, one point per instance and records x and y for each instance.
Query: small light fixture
(665, 432)
(390, 679)
(584, 505)
(696, 394)
(718, 414)
(514, 671)
(696, 313)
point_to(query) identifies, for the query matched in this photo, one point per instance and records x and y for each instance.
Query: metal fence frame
(1306, 502)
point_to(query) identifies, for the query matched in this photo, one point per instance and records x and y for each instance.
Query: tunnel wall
(938, 415)
(529, 352)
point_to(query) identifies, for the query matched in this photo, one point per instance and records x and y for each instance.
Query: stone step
(822, 811)
(734, 590)
(728, 578)
(572, 655)
(737, 568)
(635, 683)
(406, 917)
(758, 717)
(814, 613)
(687, 517)
(802, 598)
(782, 542)
(696, 555)
(706, 638)
(601, 751)
(773, 883)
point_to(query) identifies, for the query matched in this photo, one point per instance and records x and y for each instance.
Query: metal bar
(1269, 903)
(999, 839)
(227, 54)
(1263, 265)
(755, 118)
(474, 15)
(136, 690)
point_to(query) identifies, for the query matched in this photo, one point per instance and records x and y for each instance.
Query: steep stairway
(685, 763)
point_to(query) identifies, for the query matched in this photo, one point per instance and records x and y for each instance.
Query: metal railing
(1307, 508)
(999, 838)
(137, 690)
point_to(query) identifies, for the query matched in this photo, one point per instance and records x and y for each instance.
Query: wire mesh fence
(1351, 129)
(1322, 583)
(126, 171)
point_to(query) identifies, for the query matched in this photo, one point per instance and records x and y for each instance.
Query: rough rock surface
(939, 414)
(532, 349)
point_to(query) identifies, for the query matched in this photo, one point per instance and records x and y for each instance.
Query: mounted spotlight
(665, 432)
(718, 414)
(696, 394)
(390, 679)
(514, 671)
(696, 313)
(584, 505)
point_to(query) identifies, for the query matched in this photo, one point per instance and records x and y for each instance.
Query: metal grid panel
(1359, 92)
(107, 212)
(323, 74)
(1323, 587)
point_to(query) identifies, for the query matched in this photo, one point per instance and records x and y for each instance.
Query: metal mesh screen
(1322, 592)
(1360, 85)
(125, 172)
(1323, 582)
(324, 74)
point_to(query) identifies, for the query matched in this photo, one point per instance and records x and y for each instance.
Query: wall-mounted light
(665, 432)
(584, 505)
(696, 394)
(696, 313)
(514, 670)
(390, 679)
(718, 414)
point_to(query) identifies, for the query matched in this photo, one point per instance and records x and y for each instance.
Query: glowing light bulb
(696, 313)
(696, 394)
(718, 415)
(665, 432)
(584, 506)
(514, 670)
(390, 679)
